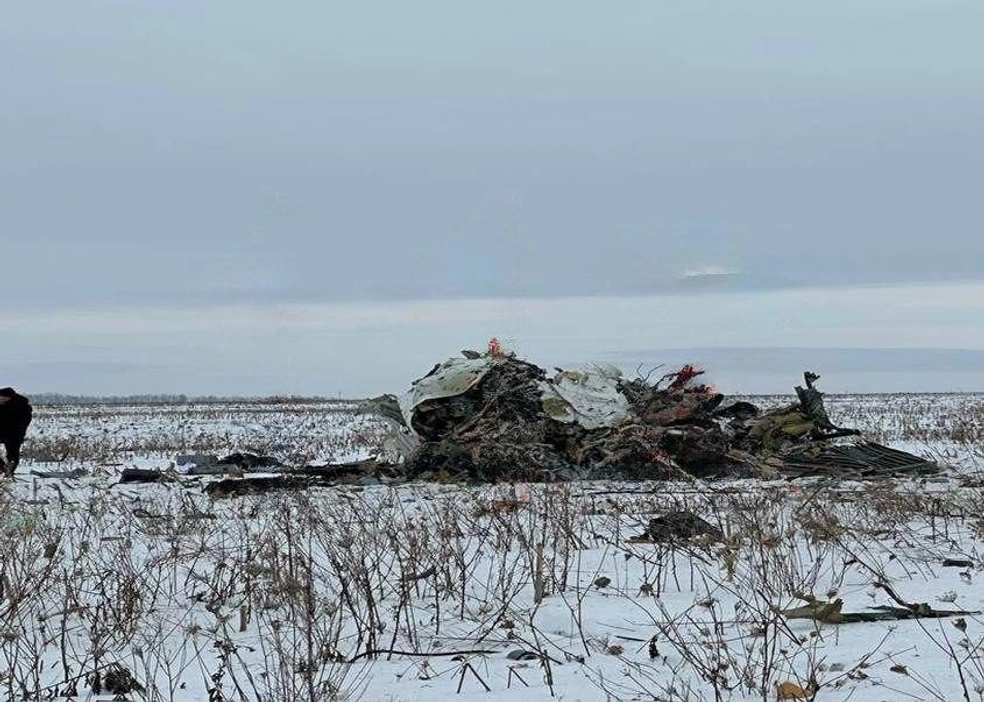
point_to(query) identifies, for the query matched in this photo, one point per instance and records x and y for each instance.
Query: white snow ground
(277, 596)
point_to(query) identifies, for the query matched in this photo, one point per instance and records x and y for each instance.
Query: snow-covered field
(411, 592)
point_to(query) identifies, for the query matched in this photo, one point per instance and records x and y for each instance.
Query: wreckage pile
(494, 417)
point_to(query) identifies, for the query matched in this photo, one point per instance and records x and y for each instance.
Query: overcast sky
(167, 162)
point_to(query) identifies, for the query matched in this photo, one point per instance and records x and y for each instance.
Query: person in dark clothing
(15, 418)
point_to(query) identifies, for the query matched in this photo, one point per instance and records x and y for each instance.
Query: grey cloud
(176, 178)
(244, 152)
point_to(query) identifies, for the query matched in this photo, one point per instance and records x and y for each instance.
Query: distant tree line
(54, 398)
